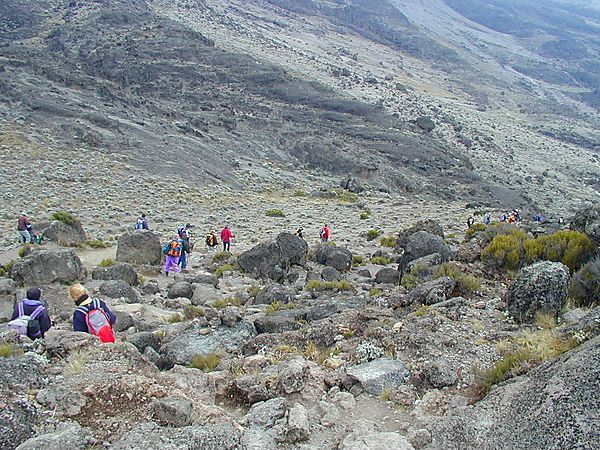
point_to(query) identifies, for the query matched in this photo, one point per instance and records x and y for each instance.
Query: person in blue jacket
(27, 306)
(82, 300)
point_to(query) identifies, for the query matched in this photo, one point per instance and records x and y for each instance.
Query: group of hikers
(514, 218)
(31, 317)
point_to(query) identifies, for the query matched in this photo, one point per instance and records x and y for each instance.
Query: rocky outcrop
(7, 299)
(47, 267)
(66, 436)
(64, 234)
(425, 123)
(387, 275)
(120, 289)
(422, 244)
(123, 271)
(340, 258)
(379, 374)
(587, 221)
(555, 406)
(430, 226)
(139, 247)
(274, 258)
(541, 287)
(432, 292)
(365, 435)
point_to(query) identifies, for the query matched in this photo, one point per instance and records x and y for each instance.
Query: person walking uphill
(92, 315)
(31, 317)
(226, 236)
(23, 228)
(325, 233)
(172, 251)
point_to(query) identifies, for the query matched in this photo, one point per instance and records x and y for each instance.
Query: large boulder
(377, 375)
(274, 258)
(541, 287)
(387, 275)
(63, 233)
(66, 436)
(365, 435)
(587, 220)
(184, 346)
(430, 226)
(273, 293)
(123, 271)
(7, 299)
(120, 289)
(276, 324)
(340, 258)
(18, 420)
(432, 292)
(173, 411)
(422, 244)
(181, 289)
(139, 247)
(425, 123)
(47, 267)
(555, 406)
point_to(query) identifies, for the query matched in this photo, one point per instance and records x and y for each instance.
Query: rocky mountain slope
(196, 93)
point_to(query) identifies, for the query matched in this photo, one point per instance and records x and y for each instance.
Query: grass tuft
(381, 260)
(388, 241)
(318, 285)
(206, 363)
(65, 217)
(274, 213)
(107, 262)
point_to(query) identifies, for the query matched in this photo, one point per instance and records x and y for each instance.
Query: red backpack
(98, 322)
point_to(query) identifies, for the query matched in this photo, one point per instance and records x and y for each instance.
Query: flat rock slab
(377, 375)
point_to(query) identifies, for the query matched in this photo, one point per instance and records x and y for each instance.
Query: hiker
(226, 236)
(470, 221)
(503, 217)
(212, 241)
(186, 245)
(487, 218)
(538, 218)
(25, 229)
(142, 223)
(31, 317)
(324, 233)
(92, 315)
(173, 251)
(299, 233)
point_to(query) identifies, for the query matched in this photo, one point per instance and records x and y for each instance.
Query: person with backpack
(92, 315)
(186, 245)
(226, 236)
(325, 233)
(487, 218)
(142, 223)
(211, 241)
(172, 251)
(470, 221)
(31, 317)
(25, 229)
(299, 233)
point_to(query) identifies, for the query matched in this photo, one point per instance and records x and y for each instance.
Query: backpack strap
(20, 310)
(37, 312)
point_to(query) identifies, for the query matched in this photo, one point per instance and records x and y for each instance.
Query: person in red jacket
(226, 236)
(325, 233)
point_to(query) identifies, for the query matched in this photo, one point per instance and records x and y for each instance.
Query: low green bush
(221, 256)
(345, 196)
(466, 283)
(357, 260)
(299, 194)
(373, 234)
(192, 312)
(7, 350)
(253, 290)
(380, 260)
(206, 363)
(585, 284)
(504, 252)
(275, 213)
(96, 243)
(65, 217)
(388, 241)
(225, 268)
(375, 292)
(107, 262)
(475, 228)
(364, 215)
(410, 281)
(176, 318)
(24, 251)
(278, 306)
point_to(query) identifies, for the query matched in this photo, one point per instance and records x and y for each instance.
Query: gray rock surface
(293, 376)
(175, 412)
(366, 436)
(422, 244)
(297, 428)
(273, 293)
(144, 339)
(120, 289)
(66, 436)
(430, 226)
(48, 266)
(331, 274)
(387, 275)
(554, 407)
(139, 247)
(7, 299)
(340, 258)
(181, 289)
(377, 375)
(432, 292)
(265, 414)
(541, 287)
(123, 271)
(276, 323)
(17, 423)
(274, 258)
(587, 220)
(64, 234)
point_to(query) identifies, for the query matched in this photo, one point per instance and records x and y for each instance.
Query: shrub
(466, 283)
(381, 260)
(107, 262)
(585, 284)
(375, 292)
(224, 268)
(7, 350)
(65, 217)
(572, 248)
(192, 312)
(253, 290)
(278, 306)
(419, 269)
(318, 285)
(96, 243)
(221, 256)
(357, 260)
(475, 228)
(225, 302)
(275, 213)
(364, 215)
(8, 266)
(3, 272)
(299, 194)
(504, 252)
(175, 318)
(346, 196)
(410, 281)
(388, 241)
(373, 234)
(24, 251)
(421, 311)
(206, 363)
(521, 354)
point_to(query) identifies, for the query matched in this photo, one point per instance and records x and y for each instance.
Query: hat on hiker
(77, 291)
(34, 293)
(23, 213)
(189, 225)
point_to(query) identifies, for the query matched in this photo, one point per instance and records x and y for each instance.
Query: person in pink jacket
(226, 236)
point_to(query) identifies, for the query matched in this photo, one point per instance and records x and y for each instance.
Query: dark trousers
(226, 246)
